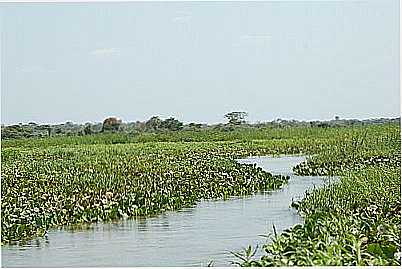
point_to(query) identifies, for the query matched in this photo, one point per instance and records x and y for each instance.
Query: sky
(197, 61)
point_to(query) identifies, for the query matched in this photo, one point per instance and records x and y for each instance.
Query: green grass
(356, 221)
(207, 135)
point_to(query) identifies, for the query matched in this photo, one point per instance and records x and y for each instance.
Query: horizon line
(205, 123)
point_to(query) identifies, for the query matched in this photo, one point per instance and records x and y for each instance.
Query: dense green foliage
(356, 221)
(81, 179)
(42, 188)
(359, 150)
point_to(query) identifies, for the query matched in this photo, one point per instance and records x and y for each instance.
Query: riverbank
(356, 221)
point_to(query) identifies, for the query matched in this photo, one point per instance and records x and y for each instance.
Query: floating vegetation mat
(43, 188)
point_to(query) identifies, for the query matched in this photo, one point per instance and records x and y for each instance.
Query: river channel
(192, 236)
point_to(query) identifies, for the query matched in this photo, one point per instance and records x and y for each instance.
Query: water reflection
(192, 236)
(142, 224)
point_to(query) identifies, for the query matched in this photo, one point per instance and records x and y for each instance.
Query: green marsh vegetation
(56, 181)
(356, 221)
(43, 188)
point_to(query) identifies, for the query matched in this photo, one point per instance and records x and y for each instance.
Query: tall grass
(207, 135)
(356, 221)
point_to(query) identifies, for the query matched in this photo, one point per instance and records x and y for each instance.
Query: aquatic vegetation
(356, 221)
(43, 188)
(357, 151)
(76, 180)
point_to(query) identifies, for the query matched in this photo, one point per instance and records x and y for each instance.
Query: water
(188, 237)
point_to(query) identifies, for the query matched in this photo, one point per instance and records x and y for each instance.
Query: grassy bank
(356, 221)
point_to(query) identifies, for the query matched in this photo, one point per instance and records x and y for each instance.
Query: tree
(171, 124)
(154, 123)
(111, 124)
(87, 129)
(236, 117)
(47, 128)
(194, 125)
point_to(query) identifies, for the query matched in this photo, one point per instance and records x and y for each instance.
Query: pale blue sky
(197, 61)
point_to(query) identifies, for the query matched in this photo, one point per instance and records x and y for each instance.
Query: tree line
(236, 119)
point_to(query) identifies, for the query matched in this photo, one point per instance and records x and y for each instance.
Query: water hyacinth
(79, 180)
(60, 186)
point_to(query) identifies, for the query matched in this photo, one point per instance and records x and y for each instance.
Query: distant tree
(171, 124)
(111, 124)
(194, 125)
(236, 117)
(336, 117)
(58, 130)
(154, 123)
(139, 126)
(47, 128)
(87, 129)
